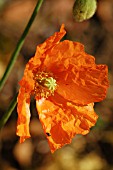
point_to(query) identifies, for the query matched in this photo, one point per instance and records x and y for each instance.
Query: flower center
(49, 82)
(45, 84)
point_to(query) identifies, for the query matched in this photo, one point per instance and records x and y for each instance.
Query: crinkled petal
(26, 89)
(83, 85)
(36, 63)
(23, 115)
(44, 48)
(27, 80)
(62, 120)
(52, 40)
(65, 53)
(27, 85)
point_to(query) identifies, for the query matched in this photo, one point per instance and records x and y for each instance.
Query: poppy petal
(65, 53)
(23, 115)
(83, 85)
(27, 86)
(44, 48)
(63, 123)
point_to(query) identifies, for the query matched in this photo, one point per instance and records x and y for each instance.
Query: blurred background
(91, 152)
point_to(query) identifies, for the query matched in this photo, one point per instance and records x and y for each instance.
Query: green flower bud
(84, 9)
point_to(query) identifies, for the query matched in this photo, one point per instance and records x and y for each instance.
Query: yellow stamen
(45, 85)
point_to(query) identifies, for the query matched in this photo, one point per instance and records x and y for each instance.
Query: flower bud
(84, 9)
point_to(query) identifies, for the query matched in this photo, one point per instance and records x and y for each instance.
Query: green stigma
(50, 83)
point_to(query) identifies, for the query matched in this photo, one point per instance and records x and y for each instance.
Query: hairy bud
(84, 9)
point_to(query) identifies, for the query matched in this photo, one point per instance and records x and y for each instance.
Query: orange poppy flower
(65, 82)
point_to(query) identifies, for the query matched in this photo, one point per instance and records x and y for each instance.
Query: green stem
(19, 45)
(6, 116)
(12, 105)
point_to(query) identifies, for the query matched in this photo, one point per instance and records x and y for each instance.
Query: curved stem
(19, 45)
(6, 116)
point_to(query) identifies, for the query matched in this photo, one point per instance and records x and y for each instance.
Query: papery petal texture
(23, 115)
(63, 120)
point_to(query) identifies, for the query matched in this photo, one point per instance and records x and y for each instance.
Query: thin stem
(19, 45)
(6, 116)
(12, 61)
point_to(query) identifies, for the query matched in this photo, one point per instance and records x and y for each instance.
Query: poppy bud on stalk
(84, 9)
